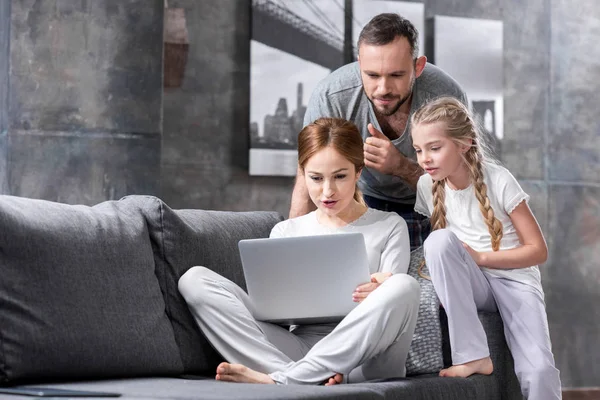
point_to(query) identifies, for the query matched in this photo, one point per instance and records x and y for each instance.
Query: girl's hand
(362, 291)
(477, 256)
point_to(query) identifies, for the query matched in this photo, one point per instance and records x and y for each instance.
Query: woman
(372, 341)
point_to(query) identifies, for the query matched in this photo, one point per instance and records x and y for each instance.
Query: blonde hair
(343, 136)
(462, 129)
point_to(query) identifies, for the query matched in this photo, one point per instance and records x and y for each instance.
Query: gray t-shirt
(341, 95)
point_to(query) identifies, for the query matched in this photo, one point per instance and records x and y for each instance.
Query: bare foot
(240, 373)
(335, 380)
(482, 366)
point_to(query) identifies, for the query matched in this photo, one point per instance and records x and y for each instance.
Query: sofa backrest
(182, 239)
(79, 296)
(91, 292)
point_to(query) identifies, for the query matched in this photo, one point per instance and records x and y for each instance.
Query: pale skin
(331, 183)
(441, 157)
(388, 74)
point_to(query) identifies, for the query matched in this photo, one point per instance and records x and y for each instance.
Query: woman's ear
(358, 172)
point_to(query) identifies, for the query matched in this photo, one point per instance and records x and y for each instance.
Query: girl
(373, 340)
(484, 249)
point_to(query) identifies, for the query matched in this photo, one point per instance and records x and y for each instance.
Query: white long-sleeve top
(385, 233)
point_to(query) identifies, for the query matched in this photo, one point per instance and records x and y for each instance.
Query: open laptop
(306, 279)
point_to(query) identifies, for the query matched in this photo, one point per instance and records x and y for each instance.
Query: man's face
(388, 74)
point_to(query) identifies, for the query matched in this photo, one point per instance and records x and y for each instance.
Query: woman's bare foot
(240, 373)
(335, 380)
(482, 366)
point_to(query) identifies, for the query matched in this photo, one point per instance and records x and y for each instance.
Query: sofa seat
(425, 387)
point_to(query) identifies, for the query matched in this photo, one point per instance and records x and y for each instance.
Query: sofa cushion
(78, 293)
(185, 238)
(425, 353)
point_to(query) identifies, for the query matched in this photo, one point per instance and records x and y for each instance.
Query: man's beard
(392, 111)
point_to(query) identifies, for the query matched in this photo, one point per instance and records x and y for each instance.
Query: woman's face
(331, 181)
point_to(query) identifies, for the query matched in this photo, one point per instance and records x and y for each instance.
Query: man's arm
(408, 170)
(301, 202)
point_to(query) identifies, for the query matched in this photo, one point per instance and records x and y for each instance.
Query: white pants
(372, 342)
(464, 288)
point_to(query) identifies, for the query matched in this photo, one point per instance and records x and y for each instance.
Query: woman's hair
(462, 129)
(343, 136)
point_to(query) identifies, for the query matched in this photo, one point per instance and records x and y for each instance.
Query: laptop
(306, 279)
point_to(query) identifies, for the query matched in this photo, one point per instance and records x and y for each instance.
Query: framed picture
(471, 51)
(294, 45)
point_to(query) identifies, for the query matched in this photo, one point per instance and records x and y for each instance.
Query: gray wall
(206, 121)
(82, 124)
(83, 119)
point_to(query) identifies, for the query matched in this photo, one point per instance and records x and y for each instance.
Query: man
(378, 93)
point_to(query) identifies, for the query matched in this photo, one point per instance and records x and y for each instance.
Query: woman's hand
(362, 291)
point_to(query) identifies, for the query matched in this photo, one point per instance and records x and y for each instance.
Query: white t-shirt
(464, 217)
(385, 233)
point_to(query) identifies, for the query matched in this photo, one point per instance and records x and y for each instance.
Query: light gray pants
(372, 342)
(463, 288)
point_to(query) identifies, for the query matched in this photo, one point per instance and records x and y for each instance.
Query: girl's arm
(533, 249)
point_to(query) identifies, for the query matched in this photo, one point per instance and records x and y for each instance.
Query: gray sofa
(89, 300)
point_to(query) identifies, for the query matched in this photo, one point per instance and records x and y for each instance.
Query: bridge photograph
(294, 45)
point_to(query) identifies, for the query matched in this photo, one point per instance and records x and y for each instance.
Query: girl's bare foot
(335, 380)
(240, 373)
(482, 366)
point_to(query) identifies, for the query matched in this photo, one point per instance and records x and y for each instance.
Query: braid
(494, 225)
(438, 216)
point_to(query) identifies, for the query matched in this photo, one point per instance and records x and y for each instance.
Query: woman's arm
(395, 256)
(533, 249)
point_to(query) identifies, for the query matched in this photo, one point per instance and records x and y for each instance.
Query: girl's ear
(358, 173)
(466, 145)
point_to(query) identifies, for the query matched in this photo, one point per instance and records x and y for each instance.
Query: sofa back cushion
(186, 238)
(79, 297)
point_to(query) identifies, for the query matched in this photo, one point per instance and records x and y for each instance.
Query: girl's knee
(440, 241)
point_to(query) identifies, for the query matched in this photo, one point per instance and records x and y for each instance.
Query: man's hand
(362, 291)
(380, 153)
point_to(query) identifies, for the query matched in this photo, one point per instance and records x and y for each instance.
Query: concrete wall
(84, 117)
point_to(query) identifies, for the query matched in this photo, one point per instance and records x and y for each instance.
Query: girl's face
(438, 155)
(331, 182)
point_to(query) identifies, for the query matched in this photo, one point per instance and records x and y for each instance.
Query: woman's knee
(403, 289)
(192, 283)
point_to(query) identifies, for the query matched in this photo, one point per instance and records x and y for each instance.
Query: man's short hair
(385, 28)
